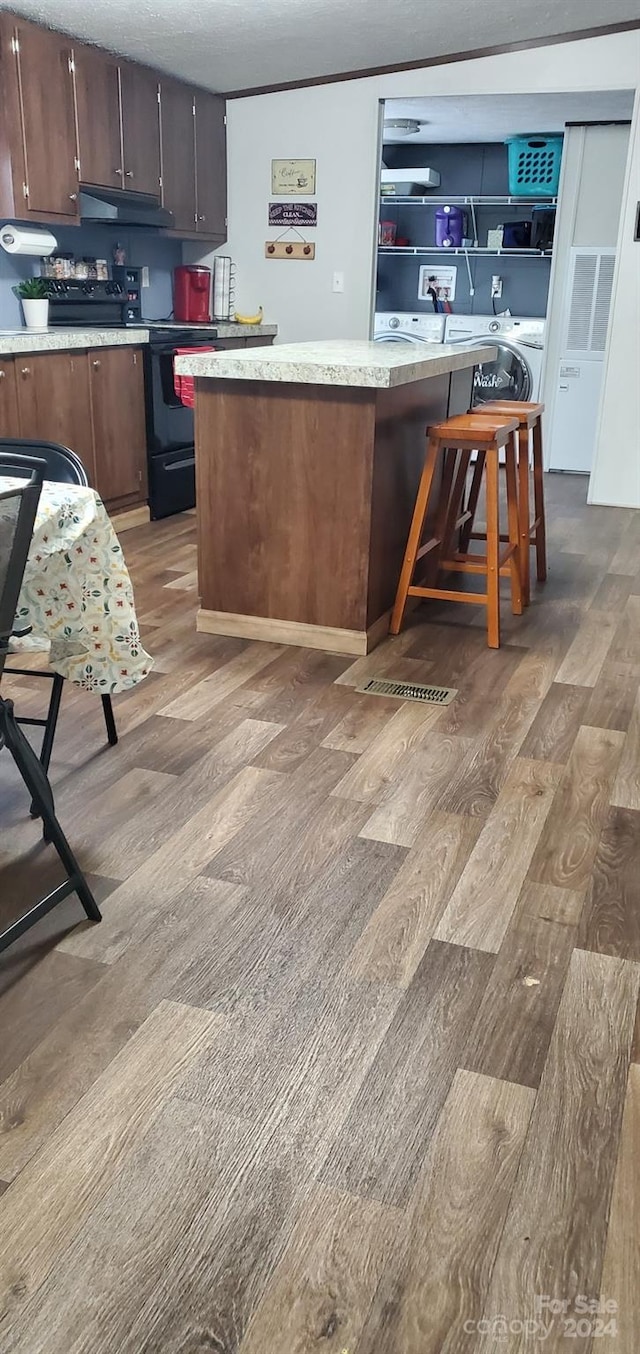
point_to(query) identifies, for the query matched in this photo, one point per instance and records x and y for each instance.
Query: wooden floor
(349, 1065)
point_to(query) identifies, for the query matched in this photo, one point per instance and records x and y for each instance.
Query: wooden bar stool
(456, 439)
(532, 532)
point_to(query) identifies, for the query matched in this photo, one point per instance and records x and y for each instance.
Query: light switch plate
(338, 282)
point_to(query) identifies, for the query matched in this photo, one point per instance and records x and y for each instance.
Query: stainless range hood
(115, 206)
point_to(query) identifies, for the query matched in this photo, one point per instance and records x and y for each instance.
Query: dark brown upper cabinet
(177, 117)
(139, 102)
(97, 87)
(38, 153)
(73, 114)
(118, 122)
(211, 164)
(194, 159)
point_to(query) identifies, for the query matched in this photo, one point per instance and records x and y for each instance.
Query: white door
(575, 415)
(587, 303)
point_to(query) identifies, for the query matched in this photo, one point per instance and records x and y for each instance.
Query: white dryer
(403, 327)
(515, 373)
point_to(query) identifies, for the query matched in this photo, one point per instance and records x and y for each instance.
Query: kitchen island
(308, 458)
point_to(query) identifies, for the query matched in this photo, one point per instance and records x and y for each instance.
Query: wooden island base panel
(308, 459)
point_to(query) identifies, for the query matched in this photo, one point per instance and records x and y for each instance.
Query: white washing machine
(403, 327)
(516, 372)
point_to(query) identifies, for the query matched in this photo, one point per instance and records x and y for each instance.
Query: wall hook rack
(290, 249)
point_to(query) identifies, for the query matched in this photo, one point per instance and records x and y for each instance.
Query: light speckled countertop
(231, 330)
(337, 362)
(14, 341)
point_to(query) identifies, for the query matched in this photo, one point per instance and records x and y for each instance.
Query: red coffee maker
(192, 294)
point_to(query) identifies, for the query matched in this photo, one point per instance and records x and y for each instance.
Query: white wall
(616, 472)
(338, 125)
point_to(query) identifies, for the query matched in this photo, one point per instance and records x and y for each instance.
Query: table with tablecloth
(77, 595)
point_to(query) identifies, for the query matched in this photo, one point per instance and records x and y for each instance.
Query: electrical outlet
(144, 281)
(496, 286)
(338, 282)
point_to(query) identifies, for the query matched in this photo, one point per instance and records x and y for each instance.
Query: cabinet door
(97, 92)
(178, 153)
(9, 424)
(119, 429)
(211, 164)
(140, 128)
(53, 398)
(45, 92)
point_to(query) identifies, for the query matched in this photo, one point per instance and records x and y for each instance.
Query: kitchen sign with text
(293, 213)
(293, 177)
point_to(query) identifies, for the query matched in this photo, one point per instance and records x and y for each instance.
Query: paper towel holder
(27, 241)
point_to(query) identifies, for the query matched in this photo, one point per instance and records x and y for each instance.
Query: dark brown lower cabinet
(92, 402)
(9, 422)
(54, 404)
(119, 429)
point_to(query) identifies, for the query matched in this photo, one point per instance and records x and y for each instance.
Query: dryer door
(393, 336)
(397, 336)
(508, 377)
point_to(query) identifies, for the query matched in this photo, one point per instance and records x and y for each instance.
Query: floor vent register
(409, 691)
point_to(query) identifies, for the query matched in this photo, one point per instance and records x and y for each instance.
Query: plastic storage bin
(534, 165)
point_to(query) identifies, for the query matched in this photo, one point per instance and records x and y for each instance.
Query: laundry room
(499, 216)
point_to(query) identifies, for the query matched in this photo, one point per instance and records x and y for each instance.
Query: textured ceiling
(238, 44)
(492, 117)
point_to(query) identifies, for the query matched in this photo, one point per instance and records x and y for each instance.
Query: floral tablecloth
(77, 594)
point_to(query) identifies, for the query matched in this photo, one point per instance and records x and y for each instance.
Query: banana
(249, 319)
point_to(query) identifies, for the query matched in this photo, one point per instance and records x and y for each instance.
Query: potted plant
(35, 302)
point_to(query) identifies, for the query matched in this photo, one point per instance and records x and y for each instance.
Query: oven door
(170, 433)
(169, 421)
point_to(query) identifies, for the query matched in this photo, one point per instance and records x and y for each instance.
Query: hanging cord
(472, 290)
(288, 231)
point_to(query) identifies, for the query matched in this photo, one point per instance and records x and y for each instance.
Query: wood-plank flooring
(352, 1065)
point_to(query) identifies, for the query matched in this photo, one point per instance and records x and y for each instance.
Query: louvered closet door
(579, 381)
(588, 302)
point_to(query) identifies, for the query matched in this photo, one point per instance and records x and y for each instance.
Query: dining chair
(62, 466)
(18, 508)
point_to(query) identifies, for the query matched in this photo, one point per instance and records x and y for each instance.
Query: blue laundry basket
(534, 165)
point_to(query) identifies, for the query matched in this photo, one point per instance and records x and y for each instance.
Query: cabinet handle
(2, 375)
(96, 362)
(73, 197)
(128, 173)
(202, 218)
(26, 371)
(117, 171)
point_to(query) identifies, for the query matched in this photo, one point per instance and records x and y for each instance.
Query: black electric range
(116, 303)
(170, 423)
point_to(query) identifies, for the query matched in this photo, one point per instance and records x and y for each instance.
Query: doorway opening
(498, 218)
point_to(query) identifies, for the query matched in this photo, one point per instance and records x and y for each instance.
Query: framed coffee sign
(293, 213)
(293, 177)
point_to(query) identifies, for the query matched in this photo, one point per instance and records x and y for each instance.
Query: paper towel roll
(19, 240)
